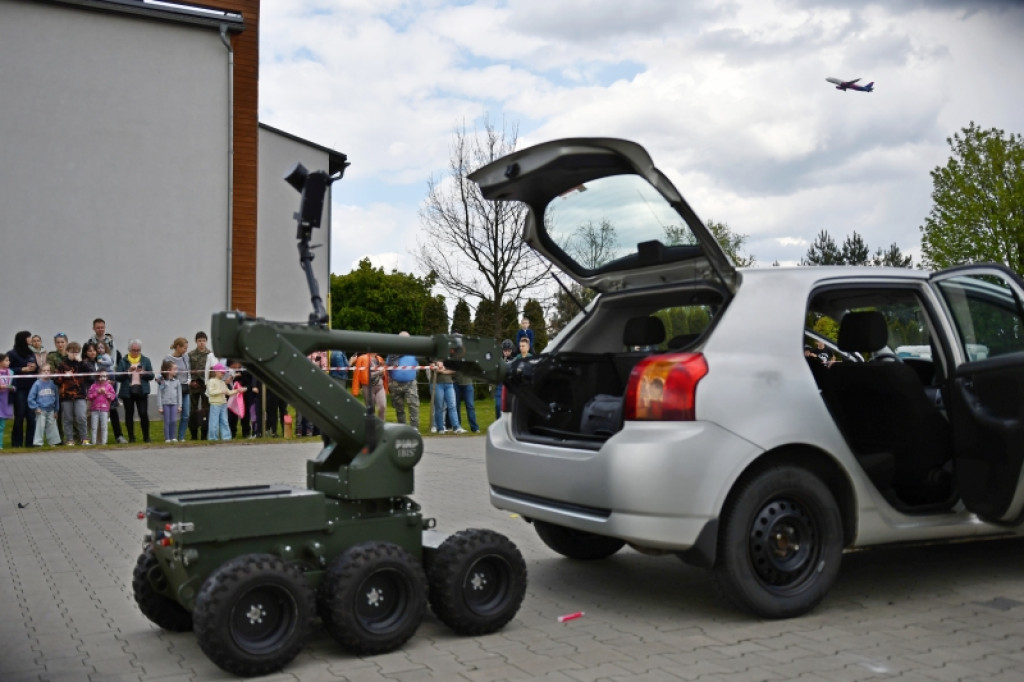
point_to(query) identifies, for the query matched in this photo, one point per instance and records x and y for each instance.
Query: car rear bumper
(654, 484)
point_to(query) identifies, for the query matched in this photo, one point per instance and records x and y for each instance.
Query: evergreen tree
(483, 323)
(855, 251)
(823, 251)
(510, 319)
(435, 316)
(533, 311)
(461, 323)
(892, 257)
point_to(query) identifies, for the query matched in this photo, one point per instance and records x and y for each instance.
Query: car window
(987, 313)
(609, 219)
(683, 324)
(908, 329)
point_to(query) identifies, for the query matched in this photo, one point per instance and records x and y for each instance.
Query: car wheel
(373, 597)
(254, 614)
(577, 544)
(477, 581)
(149, 585)
(780, 543)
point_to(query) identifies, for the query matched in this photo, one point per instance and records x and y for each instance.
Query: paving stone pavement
(949, 612)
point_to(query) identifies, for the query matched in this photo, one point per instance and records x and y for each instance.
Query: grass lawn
(484, 418)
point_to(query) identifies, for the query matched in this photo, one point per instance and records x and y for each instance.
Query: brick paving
(947, 612)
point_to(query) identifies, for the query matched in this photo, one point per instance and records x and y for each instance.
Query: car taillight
(664, 387)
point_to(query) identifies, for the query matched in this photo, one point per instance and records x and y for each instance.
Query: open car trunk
(576, 391)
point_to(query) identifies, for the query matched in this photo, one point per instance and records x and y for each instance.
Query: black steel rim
(264, 617)
(783, 544)
(382, 601)
(487, 583)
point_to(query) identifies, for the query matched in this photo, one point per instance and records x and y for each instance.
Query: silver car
(682, 412)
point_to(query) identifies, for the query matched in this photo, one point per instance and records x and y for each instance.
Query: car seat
(885, 416)
(641, 336)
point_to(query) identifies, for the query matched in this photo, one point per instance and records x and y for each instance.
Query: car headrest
(863, 331)
(643, 331)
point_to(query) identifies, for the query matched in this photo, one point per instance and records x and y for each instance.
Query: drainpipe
(231, 155)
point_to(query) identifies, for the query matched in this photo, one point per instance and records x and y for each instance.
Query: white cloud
(728, 97)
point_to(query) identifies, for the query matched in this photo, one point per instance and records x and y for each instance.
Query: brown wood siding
(246, 47)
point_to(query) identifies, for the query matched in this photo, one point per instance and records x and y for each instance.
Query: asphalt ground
(69, 538)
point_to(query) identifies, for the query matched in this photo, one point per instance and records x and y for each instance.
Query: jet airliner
(852, 85)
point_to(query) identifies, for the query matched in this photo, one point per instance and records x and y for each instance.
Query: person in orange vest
(369, 375)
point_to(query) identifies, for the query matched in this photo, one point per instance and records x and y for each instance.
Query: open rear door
(602, 213)
(986, 388)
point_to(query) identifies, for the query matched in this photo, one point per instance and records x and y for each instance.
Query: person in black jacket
(23, 361)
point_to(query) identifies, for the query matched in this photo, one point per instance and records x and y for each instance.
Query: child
(90, 370)
(241, 378)
(6, 409)
(101, 395)
(170, 399)
(525, 332)
(73, 387)
(218, 393)
(43, 399)
(104, 362)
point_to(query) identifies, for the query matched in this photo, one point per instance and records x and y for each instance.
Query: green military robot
(248, 568)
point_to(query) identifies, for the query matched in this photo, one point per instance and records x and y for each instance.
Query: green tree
(892, 257)
(435, 316)
(533, 311)
(368, 299)
(461, 322)
(823, 251)
(978, 202)
(484, 322)
(510, 319)
(730, 242)
(855, 251)
(568, 304)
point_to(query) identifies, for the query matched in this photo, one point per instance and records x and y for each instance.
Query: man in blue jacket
(404, 391)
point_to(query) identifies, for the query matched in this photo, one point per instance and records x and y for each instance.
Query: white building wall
(281, 285)
(114, 193)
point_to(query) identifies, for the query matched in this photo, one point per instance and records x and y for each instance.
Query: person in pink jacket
(101, 395)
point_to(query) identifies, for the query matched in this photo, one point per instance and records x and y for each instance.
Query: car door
(985, 392)
(605, 215)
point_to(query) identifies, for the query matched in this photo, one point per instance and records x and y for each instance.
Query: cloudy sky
(729, 98)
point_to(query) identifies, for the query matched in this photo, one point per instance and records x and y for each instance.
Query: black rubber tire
(477, 581)
(577, 544)
(254, 614)
(780, 543)
(148, 581)
(373, 597)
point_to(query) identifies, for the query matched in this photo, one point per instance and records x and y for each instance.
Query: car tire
(148, 585)
(373, 597)
(780, 543)
(254, 614)
(577, 544)
(477, 582)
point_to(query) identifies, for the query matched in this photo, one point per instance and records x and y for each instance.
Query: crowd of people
(73, 394)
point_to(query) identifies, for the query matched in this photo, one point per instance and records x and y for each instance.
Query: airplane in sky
(852, 85)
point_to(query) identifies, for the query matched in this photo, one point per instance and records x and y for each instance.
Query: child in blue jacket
(43, 400)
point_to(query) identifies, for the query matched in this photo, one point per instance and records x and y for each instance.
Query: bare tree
(591, 246)
(475, 246)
